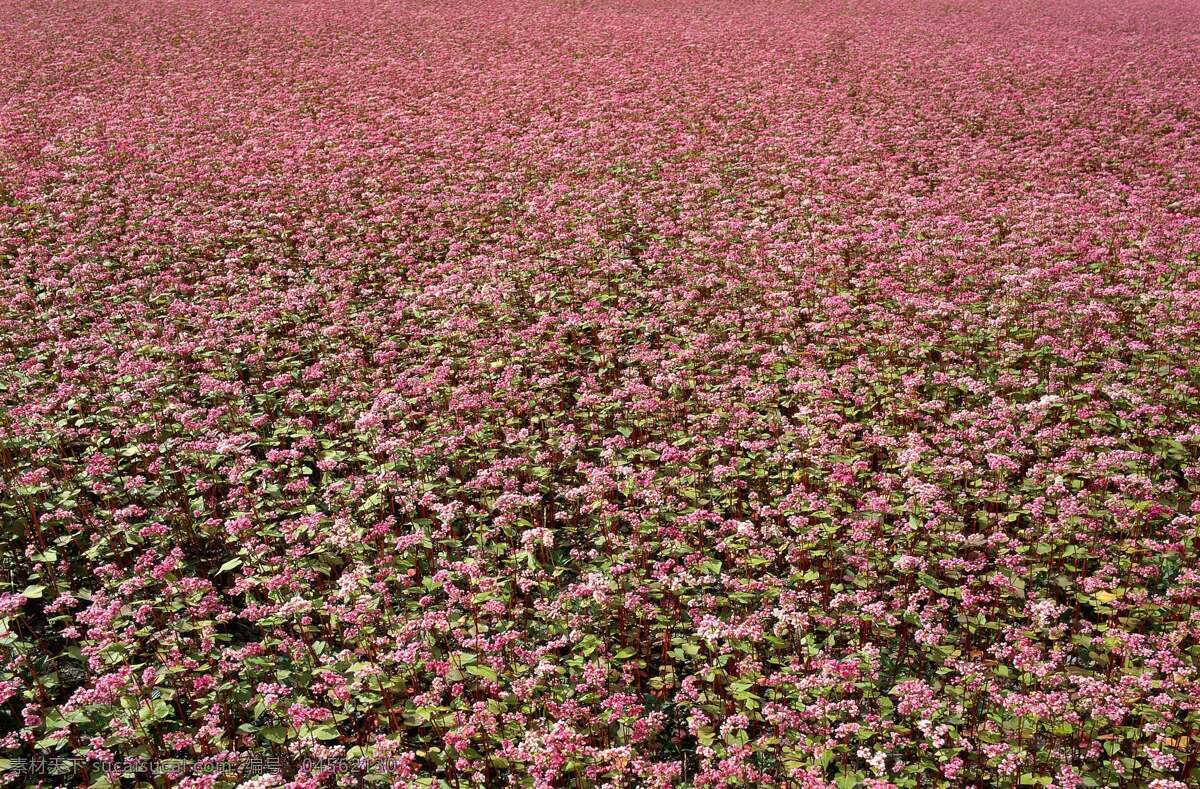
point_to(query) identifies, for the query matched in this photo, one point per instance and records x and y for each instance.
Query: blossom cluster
(601, 392)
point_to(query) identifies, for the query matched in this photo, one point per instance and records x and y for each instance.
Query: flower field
(600, 393)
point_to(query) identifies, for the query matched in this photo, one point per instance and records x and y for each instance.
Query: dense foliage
(601, 393)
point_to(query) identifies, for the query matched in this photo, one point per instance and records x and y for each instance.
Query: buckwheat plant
(600, 393)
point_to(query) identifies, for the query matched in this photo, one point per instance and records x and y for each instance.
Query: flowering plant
(614, 394)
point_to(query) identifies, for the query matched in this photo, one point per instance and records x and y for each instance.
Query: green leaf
(483, 671)
(229, 565)
(848, 780)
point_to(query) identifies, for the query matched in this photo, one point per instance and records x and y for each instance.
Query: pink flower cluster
(602, 392)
